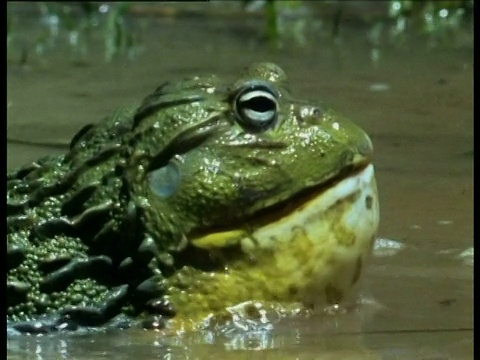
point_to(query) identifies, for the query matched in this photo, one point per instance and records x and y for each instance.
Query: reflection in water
(417, 300)
(467, 256)
(332, 336)
(387, 247)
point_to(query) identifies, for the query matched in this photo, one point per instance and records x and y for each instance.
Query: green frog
(207, 195)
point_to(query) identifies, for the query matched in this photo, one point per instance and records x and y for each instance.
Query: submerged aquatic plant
(119, 39)
(393, 22)
(72, 24)
(435, 19)
(284, 19)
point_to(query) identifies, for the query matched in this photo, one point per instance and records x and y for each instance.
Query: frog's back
(65, 214)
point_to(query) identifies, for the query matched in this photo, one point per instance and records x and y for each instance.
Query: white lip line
(343, 188)
(360, 182)
(326, 198)
(351, 184)
(316, 192)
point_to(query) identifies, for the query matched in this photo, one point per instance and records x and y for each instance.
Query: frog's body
(206, 196)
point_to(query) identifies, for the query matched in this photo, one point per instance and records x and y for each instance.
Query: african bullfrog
(207, 195)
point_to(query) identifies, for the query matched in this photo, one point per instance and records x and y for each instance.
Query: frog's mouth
(311, 252)
(313, 200)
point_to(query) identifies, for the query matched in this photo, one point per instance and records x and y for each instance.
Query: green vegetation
(73, 23)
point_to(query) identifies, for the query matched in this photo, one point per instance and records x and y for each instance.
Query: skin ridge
(81, 199)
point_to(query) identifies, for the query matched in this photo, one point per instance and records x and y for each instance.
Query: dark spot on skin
(333, 295)
(317, 112)
(252, 312)
(293, 290)
(309, 272)
(358, 271)
(369, 202)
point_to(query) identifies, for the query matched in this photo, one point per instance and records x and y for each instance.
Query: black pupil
(260, 104)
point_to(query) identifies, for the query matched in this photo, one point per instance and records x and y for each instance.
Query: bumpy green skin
(98, 232)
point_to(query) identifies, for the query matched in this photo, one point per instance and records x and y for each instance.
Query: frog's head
(275, 195)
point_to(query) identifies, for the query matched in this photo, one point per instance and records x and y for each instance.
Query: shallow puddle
(416, 103)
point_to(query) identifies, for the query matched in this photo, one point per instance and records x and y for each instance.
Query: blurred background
(119, 28)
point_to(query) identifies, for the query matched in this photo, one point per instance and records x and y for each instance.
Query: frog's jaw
(316, 252)
(314, 255)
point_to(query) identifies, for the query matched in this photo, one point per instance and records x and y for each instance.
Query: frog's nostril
(366, 147)
(310, 114)
(317, 112)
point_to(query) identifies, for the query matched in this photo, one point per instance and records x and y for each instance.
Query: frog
(208, 194)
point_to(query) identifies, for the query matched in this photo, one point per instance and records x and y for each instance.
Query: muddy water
(417, 105)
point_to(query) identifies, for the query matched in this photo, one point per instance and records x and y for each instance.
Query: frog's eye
(256, 105)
